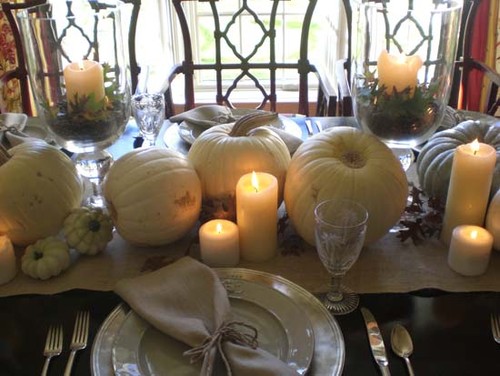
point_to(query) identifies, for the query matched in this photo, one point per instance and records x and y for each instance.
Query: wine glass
(79, 72)
(340, 233)
(149, 114)
(402, 66)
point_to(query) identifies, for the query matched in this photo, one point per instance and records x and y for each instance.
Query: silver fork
(495, 327)
(53, 346)
(79, 339)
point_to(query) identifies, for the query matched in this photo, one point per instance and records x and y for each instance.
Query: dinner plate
(284, 331)
(187, 132)
(329, 348)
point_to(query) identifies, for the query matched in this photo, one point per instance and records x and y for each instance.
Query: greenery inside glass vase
(400, 115)
(86, 119)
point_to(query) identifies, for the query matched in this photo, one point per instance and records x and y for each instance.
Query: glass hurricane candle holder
(403, 59)
(79, 72)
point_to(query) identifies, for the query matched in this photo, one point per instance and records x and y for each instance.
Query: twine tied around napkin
(227, 332)
(187, 301)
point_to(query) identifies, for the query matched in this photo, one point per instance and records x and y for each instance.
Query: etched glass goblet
(340, 233)
(149, 114)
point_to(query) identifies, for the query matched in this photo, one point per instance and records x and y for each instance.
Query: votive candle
(470, 183)
(257, 215)
(219, 243)
(470, 250)
(8, 267)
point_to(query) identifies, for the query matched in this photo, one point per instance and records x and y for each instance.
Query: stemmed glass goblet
(340, 234)
(149, 114)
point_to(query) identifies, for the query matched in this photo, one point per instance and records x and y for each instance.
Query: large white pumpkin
(39, 186)
(153, 195)
(224, 153)
(344, 162)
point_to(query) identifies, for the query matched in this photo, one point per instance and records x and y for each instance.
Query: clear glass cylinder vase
(402, 65)
(79, 71)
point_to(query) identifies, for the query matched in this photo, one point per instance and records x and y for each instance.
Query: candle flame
(255, 181)
(474, 146)
(80, 65)
(473, 234)
(218, 228)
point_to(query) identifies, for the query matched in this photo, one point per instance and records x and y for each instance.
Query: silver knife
(376, 342)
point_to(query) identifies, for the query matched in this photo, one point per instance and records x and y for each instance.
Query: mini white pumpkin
(153, 195)
(344, 162)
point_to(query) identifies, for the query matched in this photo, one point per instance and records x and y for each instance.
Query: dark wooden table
(451, 332)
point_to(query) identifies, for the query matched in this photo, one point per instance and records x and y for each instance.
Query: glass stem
(335, 293)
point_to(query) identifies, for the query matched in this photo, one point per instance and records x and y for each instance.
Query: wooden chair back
(232, 66)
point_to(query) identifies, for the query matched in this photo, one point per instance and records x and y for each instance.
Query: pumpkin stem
(253, 120)
(4, 155)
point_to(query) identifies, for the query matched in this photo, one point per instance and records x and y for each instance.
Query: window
(161, 43)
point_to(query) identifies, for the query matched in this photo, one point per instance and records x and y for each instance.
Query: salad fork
(79, 339)
(53, 346)
(495, 327)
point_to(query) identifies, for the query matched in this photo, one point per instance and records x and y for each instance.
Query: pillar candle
(469, 188)
(257, 215)
(83, 79)
(470, 250)
(8, 268)
(398, 72)
(219, 243)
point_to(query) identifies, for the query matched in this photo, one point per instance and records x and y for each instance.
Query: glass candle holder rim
(362, 211)
(443, 7)
(24, 13)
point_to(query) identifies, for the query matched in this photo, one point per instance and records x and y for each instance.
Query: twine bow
(228, 331)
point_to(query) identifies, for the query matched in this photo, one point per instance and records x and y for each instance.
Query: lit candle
(219, 243)
(8, 268)
(257, 215)
(469, 189)
(399, 72)
(83, 79)
(470, 250)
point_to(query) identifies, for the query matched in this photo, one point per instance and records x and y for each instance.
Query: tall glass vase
(78, 68)
(403, 60)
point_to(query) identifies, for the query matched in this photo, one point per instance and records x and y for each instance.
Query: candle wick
(475, 151)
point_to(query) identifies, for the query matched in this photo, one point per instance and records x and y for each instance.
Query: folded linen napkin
(187, 301)
(205, 116)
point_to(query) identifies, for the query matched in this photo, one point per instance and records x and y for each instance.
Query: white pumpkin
(344, 162)
(153, 195)
(223, 153)
(39, 186)
(493, 220)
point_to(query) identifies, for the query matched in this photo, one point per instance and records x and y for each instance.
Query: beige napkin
(205, 116)
(187, 301)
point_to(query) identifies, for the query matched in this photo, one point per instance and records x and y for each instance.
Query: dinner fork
(495, 327)
(53, 345)
(309, 127)
(79, 339)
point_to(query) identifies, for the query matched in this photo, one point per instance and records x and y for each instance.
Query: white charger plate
(284, 331)
(329, 347)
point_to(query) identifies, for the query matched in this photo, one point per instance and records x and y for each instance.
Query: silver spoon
(402, 345)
